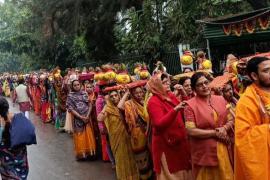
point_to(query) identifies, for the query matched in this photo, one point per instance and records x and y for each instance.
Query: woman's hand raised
(180, 106)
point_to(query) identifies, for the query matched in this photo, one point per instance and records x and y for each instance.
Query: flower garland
(265, 98)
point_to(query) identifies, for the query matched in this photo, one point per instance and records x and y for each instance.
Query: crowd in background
(149, 126)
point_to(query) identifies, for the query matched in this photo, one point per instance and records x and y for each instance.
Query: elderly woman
(119, 139)
(78, 105)
(170, 148)
(208, 126)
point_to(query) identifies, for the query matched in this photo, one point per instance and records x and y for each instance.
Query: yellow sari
(133, 111)
(6, 88)
(120, 144)
(137, 119)
(224, 170)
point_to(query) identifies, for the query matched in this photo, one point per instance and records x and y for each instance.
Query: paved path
(53, 159)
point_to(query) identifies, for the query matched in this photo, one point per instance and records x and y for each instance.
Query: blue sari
(14, 163)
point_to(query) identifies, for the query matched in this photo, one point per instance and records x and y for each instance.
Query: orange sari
(84, 142)
(137, 119)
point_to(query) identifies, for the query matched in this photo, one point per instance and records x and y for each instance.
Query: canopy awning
(246, 27)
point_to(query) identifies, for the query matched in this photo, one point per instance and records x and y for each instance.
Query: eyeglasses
(205, 83)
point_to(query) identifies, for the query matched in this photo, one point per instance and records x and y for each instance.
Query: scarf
(133, 110)
(155, 86)
(264, 99)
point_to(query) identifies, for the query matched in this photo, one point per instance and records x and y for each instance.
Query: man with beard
(252, 129)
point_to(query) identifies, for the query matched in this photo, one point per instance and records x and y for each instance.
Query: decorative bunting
(264, 21)
(237, 29)
(247, 24)
(227, 28)
(250, 25)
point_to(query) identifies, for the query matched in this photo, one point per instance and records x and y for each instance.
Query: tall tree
(66, 32)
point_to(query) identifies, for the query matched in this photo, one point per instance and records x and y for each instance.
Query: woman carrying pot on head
(119, 138)
(137, 120)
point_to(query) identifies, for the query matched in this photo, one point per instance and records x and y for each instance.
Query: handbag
(22, 131)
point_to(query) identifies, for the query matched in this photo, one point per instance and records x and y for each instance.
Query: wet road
(53, 159)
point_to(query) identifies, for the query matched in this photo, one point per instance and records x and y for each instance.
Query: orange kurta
(252, 155)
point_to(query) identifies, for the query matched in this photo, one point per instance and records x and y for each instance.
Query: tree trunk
(258, 4)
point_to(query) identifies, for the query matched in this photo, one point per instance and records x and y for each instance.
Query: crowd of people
(158, 126)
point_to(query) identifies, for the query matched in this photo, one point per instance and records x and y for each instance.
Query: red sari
(37, 99)
(45, 105)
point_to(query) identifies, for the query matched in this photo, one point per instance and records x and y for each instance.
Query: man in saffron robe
(252, 129)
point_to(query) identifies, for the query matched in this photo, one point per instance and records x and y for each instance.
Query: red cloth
(204, 151)
(168, 134)
(45, 112)
(25, 106)
(105, 156)
(37, 100)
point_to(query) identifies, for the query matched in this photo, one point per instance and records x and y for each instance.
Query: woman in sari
(68, 127)
(36, 94)
(92, 99)
(61, 94)
(6, 88)
(208, 126)
(185, 82)
(105, 145)
(137, 120)
(119, 139)
(45, 105)
(13, 161)
(170, 148)
(83, 136)
(229, 96)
